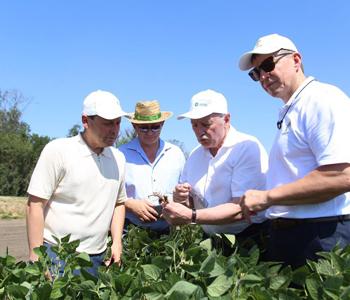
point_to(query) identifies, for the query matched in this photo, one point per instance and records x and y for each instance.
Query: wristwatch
(194, 216)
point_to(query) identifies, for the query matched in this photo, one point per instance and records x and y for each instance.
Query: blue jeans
(96, 259)
(294, 245)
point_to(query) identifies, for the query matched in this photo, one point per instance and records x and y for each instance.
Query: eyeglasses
(154, 128)
(268, 65)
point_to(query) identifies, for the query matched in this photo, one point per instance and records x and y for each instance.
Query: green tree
(19, 150)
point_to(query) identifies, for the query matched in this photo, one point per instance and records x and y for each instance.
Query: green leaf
(154, 296)
(220, 286)
(252, 278)
(17, 291)
(181, 290)
(65, 239)
(208, 264)
(278, 281)
(231, 238)
(43, 291)
(151, 271)
(206, 244)
(313, 286)
(33, 269)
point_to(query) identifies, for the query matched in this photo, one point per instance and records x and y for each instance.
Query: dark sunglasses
(154, 128)
(268, 65)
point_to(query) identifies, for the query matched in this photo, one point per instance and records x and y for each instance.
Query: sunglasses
(268, 65)
(154, 128)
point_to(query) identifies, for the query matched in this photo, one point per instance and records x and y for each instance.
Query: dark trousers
(294, 244)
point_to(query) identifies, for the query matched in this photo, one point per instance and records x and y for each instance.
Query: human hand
(116, 253)
(176, 213)
(253, 201)
(143, 209)
(182, 192)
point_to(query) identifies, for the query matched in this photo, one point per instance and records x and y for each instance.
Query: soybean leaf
(181, 290)
(151, 271)
(220, 286)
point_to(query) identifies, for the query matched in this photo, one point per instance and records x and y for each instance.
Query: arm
(35, 224)
(320, 185)
(178, 214)
(117, 226)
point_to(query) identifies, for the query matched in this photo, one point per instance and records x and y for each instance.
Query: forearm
(221, 214)
(35, 225)
(318, 186)
(117, 223)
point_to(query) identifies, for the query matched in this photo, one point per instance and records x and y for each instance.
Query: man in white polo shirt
(308, 181)
(217, 172)
(77, 186)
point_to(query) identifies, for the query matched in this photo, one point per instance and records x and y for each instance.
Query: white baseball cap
(265, 45)
(103, 104)
(205, 103)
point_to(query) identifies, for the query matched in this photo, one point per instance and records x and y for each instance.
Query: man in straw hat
(153, 167)
(308, 181)
(217, 172)
(77, 186)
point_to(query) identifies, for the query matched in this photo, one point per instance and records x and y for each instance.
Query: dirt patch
(13, 239)
(13, 232)
(12, 207)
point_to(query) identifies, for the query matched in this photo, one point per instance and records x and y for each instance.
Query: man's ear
(297, 59)
(227, 118)
(84, 120)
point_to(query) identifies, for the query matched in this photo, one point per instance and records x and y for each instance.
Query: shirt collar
(85, 150)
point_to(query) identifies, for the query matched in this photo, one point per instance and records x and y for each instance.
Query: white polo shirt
(239, 165)
(82, 188)
(315, 132)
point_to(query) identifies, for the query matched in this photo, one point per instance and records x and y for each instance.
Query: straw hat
(148, 112)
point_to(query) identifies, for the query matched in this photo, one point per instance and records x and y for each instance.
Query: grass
(12, 207)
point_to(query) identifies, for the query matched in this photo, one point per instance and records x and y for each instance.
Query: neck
(295, 85)
(91, 144)
(150, 150)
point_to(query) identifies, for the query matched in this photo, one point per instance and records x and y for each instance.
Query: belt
(283, 223)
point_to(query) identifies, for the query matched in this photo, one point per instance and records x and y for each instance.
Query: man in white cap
(308, 181)
(217, 172)
(77, 186)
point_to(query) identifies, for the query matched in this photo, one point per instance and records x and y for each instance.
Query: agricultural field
(177, 266)
(12, 207)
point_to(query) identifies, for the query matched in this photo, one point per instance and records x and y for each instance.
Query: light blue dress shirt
(143, 178)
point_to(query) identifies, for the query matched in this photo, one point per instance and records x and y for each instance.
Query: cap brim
(195, 114)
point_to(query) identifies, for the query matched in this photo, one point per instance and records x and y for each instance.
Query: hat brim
(164, 116)
(245, 62)
(198, 114)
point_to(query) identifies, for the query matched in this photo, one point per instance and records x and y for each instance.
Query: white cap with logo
(266, 45)
(103, 104)
(205, 103)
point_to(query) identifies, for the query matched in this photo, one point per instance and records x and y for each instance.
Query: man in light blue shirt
(153, 166)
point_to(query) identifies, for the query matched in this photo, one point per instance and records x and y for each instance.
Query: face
(211, 130)
(277, 73)
(101, 132)
(148, 134)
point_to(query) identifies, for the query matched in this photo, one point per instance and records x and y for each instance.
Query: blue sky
(56, 52)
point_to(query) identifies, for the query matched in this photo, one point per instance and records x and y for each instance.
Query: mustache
(203, 137)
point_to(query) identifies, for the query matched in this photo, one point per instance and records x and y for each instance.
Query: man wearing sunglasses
(308, 181)
(153, 167)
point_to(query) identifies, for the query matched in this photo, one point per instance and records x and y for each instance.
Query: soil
(13, 235)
